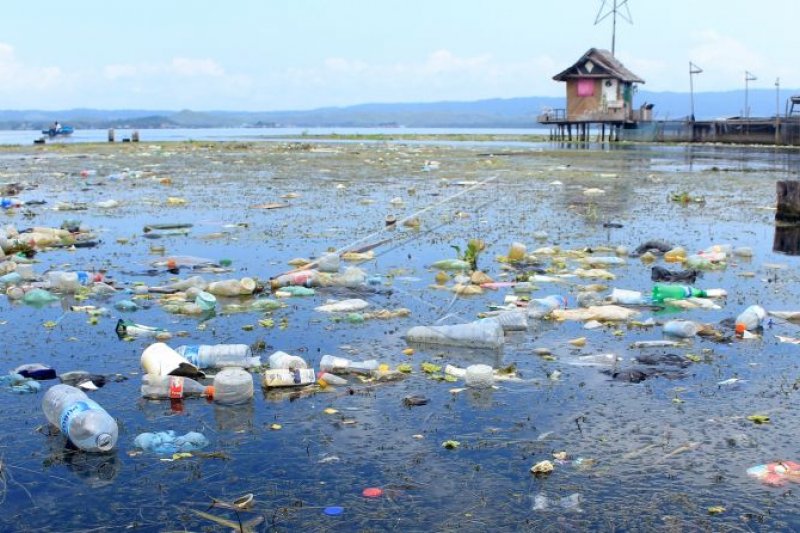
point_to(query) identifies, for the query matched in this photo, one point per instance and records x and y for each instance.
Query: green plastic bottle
(663, 292)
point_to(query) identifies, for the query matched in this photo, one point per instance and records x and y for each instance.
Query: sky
(270, 55)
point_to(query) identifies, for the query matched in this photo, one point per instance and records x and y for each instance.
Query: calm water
(15, 137)
(654, 455)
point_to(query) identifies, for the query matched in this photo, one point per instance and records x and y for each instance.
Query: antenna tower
(613, 8)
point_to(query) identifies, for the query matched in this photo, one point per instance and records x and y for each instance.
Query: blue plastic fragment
(334, 510)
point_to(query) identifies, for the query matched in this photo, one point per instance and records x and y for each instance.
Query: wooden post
(111, 135)
(788, 200)
(135, 136)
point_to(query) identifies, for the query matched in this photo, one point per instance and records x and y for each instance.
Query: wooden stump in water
(788, 195)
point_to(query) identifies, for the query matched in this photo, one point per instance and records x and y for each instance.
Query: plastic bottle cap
(334, 510)
(740, 329)
(372, 492)
(210, 391)
(172, 264)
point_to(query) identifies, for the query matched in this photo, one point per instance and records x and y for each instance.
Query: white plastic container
(161, 360)
(284, 360)
(283, 377)
(515, 320)
(343, 306)
(541, 307)
(681, 328)
(751, 318)
(626, 297)
(232, 386)
(455, 371)
(342, 365)
(328, 263)
(486, 333)
(479, 376)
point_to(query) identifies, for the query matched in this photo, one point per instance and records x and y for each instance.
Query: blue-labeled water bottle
(219, 355)
(82, 420)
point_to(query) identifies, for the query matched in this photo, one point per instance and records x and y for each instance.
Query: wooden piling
(135, 136)
(111, 135)
(788, 202)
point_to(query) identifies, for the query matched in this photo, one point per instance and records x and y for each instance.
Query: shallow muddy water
(653, 455)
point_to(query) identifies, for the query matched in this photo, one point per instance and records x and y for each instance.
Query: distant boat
(63, 130)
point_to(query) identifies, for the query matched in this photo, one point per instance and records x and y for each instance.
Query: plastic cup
(205, 301)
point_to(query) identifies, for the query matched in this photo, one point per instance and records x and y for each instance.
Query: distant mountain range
(492, 113)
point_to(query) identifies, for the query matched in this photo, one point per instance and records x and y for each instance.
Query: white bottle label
(280, 377)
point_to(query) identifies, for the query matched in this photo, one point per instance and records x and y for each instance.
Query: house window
(586, 87)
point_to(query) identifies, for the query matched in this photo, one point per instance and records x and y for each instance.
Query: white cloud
(183, 66)
(441, 75)
(16, 77)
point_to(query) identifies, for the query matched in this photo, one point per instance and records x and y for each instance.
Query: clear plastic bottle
(83, 421)
(173, 387)
(681, 328)
(232, 287)
(342, 365)
(541, 307)
(219, 355)
(750, 319)
(70, 282)
(232, 386)
(326, 379)
(486, 333)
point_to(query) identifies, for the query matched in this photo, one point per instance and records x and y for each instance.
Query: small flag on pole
(694, 69)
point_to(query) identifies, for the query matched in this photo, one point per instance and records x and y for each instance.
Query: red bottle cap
(372, 492)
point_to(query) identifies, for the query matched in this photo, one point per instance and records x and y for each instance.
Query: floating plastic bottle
(681, 328)
(82, 420)
(626, 297)
(342, 365)
(284, 360)
(232, 386)
(284, 377)
(173, 387)
(70, 282)
(541, 307)
(326, 379)
(750, 319)
(663, 292)
(486, 333)
(218, 355)
(232, 287)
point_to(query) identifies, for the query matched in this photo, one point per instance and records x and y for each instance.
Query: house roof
(597, 63)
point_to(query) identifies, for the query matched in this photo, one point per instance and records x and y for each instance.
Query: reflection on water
(655, 453)
(787, 240)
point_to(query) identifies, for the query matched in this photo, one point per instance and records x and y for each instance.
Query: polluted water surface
(526, 397)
